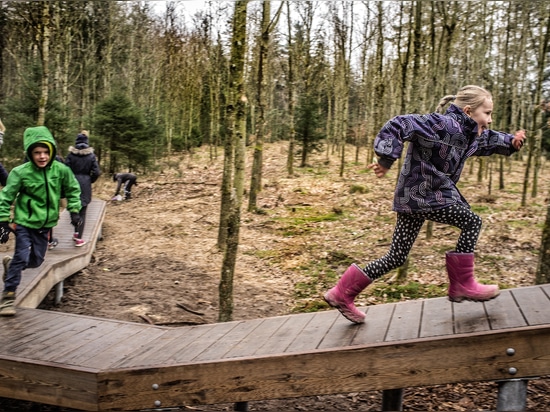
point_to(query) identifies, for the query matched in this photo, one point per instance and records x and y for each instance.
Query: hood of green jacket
(39, 134)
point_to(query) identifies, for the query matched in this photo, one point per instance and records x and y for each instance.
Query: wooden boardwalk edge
(382, 366)
(423, 362)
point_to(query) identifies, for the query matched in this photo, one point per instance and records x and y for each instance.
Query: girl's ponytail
(443, 102)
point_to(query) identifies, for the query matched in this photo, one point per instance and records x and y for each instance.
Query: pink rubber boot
(462, 285)
(341, 296)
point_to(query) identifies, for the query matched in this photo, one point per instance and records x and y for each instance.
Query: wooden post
(392, 400)
(241, 406)
(512, 395)
(58, 293)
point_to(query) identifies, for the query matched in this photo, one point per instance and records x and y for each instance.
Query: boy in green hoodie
(35, 187)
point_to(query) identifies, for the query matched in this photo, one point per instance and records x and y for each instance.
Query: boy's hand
(5, 231)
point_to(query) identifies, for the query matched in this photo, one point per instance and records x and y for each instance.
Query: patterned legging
(408, 226)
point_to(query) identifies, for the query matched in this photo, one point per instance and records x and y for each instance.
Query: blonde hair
(473, 96)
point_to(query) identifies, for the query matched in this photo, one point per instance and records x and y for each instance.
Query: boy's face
(40, 156)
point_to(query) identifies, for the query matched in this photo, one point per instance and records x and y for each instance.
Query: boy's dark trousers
(30, 250)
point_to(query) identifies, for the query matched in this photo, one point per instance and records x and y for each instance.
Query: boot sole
(462, 299)
(336, 306)
(6, 314)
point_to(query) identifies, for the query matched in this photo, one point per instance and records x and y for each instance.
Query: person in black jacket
(83, 162)
(126, 180)
(3, 171)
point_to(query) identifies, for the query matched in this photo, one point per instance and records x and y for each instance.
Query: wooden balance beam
(97, 364)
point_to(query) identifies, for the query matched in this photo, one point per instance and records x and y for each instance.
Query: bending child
(439, 145)
(35, 187)
(126, 181)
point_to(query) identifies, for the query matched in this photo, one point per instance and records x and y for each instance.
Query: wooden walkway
(97, 364)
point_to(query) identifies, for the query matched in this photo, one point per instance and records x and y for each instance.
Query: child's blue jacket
(439, 145)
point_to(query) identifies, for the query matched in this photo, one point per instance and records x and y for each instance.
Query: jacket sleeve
(71, 189)
(8, 194)
(95, 171)
(3, 175)
(493, 142)
(388, 144)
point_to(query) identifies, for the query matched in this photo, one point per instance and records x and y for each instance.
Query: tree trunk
(262, 89)
(543, 269)
(291, 102)
(45, 57)
(236, 126)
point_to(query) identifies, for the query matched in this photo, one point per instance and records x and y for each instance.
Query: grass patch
(410, 291)
(305, 220)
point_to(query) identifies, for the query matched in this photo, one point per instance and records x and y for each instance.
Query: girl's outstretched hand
(519, 139)
(379, 170)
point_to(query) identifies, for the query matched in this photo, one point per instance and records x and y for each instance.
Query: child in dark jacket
(126, 181)
(3, 171)
(35, 187)
(83, 162)
(439, 145)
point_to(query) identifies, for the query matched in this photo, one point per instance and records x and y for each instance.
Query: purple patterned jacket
(439, 145)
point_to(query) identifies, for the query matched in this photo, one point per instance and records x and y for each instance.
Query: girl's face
(40, 156)
(481, 115)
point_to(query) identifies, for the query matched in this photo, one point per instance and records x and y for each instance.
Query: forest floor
(159, 252)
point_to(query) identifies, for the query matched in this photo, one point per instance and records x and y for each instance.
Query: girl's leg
(354, 279)
(405, 233)
(82, 214)
(460, 263)
(462, 217)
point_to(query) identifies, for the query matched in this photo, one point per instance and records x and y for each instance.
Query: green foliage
(309, 128)
(124, 133)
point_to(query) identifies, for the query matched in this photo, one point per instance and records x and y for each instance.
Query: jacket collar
(469, 125)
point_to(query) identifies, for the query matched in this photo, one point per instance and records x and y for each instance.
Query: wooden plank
(218, 348)
(310, 337)
(77, 343)
(193, 349)
(534, 304)
(251, 343)
(341, 332)
(24, 327)
(96, 345)
(284, 335)
(376, 325)
(53, 337)
(117, 347)
(420, 362)
(437, 318)
(405, 322)
(470, 317)
(503, 312)
(165, 347)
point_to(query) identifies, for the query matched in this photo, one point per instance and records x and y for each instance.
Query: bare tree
(235, 151)
(262, 89)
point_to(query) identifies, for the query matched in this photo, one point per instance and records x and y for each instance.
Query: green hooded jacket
(37, 191)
